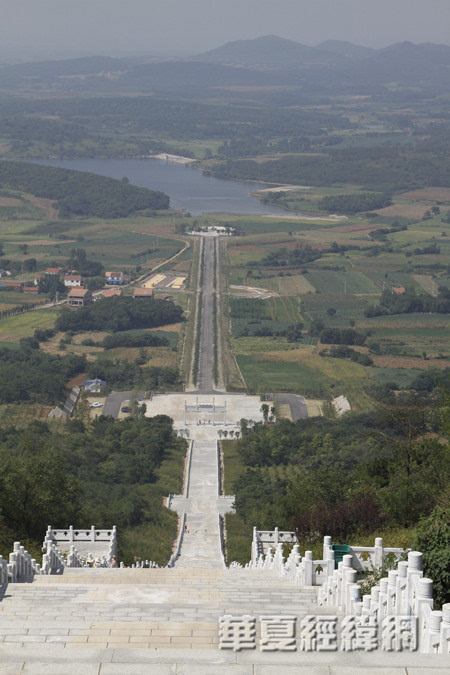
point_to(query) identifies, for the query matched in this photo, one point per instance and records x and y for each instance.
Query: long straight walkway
(201, 539)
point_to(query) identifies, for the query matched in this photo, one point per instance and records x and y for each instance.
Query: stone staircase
(103, 616)
(126, 621)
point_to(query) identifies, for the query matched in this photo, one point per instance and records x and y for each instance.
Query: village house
(72, 280)
(53, 271)
(143, 293)
(111, 292)
(94, 385)
(116, 278)
(79, 297)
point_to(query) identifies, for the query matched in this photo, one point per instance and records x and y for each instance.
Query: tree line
(79, 193)
(119, 314)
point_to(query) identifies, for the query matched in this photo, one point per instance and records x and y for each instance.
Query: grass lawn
(12, 328)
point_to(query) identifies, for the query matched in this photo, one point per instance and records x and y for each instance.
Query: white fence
(66, 540)
(404, 592)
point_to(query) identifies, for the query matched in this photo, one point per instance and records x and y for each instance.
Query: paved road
(206, 357)
(296, 403)
(114, 402)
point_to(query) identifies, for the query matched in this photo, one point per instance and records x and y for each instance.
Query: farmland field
(12, 328)
(295, 285)
(327, 281)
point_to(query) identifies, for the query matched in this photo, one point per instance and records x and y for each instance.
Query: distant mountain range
(263, 62)
(275, 52)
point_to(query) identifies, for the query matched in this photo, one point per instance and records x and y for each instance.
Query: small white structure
(341, 405)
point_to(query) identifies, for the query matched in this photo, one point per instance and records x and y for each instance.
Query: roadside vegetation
(377, 474)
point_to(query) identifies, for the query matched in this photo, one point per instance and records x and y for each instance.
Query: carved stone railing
(264, 538)
(366, 557)
(74, 559)
(304, 571)
(21, 566)
(53, 561)
(3, 572)
(179, 541)
(66, 538)
(403, 592)
(72, 535)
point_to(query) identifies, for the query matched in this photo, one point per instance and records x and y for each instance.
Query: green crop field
(12, 328)
(328, 281)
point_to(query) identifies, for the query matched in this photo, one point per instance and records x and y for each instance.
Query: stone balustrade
(179, 541)
(3, 572)
(21, 566)
(366, 557)
(71, 535)
(304, 571)
(264, 538)
(403, 592)
(74, 559)
(53, 561)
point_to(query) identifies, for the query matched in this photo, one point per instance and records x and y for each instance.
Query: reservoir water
(187, 188)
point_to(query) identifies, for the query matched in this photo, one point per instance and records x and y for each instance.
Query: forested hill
(78, 193)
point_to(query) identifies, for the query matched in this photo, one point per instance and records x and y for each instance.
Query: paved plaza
(204, 425)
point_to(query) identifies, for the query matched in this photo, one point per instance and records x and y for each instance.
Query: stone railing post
(71, 534)
(254, 546)
(329, 561)
(401, 590)
(378, 552)
(92, 537)
(431, 638)
(444, 646)
(308, 568)
(349, 580)
(326, 547)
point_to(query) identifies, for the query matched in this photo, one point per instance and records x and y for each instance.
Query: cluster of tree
(127, 339)
(124, 374)
(81, 474)
(342, 336)
(18, 309)
(410, 302)
(344, 352)
(80, 193)
(381, 168)
(351, 204)
(87, 268)
(288, 257)
(255, 145)
(27, 129)
(28, 373)
(381, 233)
(346, 477)
(431, 249)
(51, 284)
(119, 314)
(293, 333)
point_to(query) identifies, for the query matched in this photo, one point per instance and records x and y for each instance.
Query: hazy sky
(70, 27)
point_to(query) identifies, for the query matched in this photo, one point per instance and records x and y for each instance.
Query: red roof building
(79, 297)
(143, 293)
(110, 292)
(72, 280)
